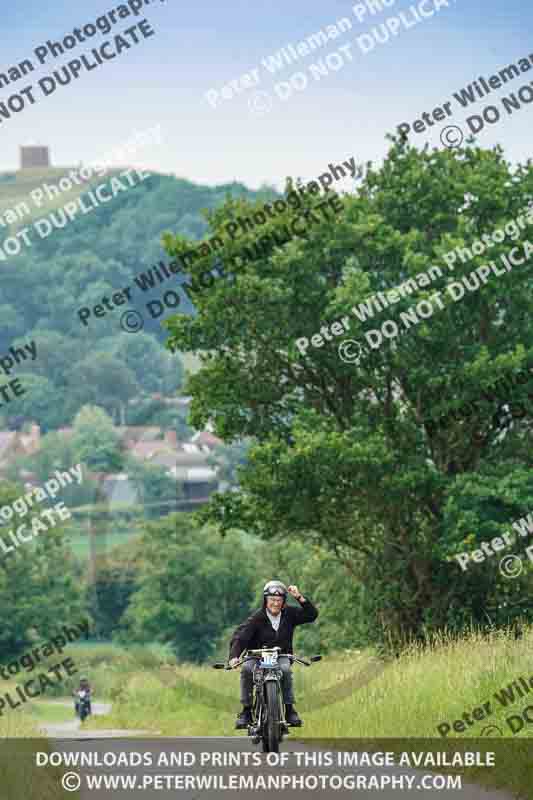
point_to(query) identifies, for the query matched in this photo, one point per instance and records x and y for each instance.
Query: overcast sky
(164, 79)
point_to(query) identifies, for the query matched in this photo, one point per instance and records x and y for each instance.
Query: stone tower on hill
(32, 157)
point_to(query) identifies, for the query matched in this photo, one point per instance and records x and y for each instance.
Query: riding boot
(291, 716)
(244, 718)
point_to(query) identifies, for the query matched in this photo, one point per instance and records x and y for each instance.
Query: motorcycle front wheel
(271, 731)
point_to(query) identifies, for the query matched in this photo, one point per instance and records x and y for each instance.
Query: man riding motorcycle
(83, 687)
(270, 626)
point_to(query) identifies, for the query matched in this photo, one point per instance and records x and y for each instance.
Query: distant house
(190, 468)
(146, 449)
(187, 463)
(207, 440)
(139, 433)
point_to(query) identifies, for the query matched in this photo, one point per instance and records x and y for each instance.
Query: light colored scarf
(274, 620)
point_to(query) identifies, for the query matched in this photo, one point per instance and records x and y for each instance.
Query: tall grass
(431, 685)
(348, 695)
(353, 696)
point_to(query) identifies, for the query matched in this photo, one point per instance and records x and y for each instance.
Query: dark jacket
(257, 630)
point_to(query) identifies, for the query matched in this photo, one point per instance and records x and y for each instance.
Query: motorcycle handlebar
(301, 661)
(241, 661)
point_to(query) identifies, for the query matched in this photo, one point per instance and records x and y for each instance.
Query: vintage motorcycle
(83, 704)
(268, 710)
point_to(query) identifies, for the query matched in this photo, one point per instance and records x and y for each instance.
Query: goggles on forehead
(277, 593)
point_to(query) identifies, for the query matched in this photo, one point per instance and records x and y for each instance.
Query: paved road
(75, 730)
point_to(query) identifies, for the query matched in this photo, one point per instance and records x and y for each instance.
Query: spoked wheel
(271, 730)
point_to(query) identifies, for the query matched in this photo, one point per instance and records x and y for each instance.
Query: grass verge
(20, 777)
(405, 699)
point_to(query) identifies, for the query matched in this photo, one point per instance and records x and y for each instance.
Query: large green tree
(344, 455)
(95, 441)
(106, 380)
(115, 581)
(40, 402)
(153, 367)
(38, 589)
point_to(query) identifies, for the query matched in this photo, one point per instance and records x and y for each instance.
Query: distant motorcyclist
(270, 626)
(84, 687)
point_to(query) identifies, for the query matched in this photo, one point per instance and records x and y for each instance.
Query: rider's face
(274, 604)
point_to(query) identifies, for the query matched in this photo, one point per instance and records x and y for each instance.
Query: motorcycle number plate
(268, 660)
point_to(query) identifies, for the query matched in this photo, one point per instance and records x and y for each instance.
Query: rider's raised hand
(295, 592)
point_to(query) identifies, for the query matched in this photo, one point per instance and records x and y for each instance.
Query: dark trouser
(247, 681)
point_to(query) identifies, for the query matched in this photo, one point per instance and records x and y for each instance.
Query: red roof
(147, 449)
(206, 438)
